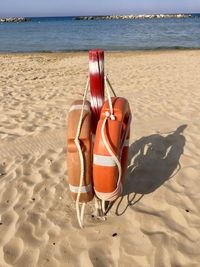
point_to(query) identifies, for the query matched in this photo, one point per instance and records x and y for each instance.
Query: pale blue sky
(95, 7)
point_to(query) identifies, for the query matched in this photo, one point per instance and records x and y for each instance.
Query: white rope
(112, 195)
(108, 83)
(103, 206)
(109, 99)
(79, 213)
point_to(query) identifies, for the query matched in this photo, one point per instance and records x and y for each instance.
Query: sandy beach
(157, 221)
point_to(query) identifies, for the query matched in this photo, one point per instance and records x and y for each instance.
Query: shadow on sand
(153, 160)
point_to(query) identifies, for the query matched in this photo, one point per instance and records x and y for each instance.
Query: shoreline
(106, 51)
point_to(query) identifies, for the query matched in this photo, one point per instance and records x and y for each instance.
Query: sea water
(67, 34)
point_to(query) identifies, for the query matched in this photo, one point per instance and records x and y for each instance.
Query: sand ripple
(159, 214)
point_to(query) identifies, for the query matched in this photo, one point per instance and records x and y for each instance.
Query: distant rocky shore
(155, 16)
(14, 20)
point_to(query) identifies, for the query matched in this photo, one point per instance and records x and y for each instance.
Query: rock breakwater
(14, 20)
(155, 16)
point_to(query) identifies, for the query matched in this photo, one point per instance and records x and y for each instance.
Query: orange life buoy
(73, 159)
(107, 185)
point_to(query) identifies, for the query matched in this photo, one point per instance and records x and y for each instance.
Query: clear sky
(95, 7)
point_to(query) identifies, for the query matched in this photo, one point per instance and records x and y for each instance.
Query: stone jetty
(155, 16)
(14, 20)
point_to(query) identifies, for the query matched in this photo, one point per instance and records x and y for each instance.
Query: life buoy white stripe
(79, 107)
(83, 189)
(107, 161)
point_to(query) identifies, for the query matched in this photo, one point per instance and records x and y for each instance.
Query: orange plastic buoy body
(73, 158)
(105, 170)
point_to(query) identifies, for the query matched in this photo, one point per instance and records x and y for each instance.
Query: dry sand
(158, 222)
